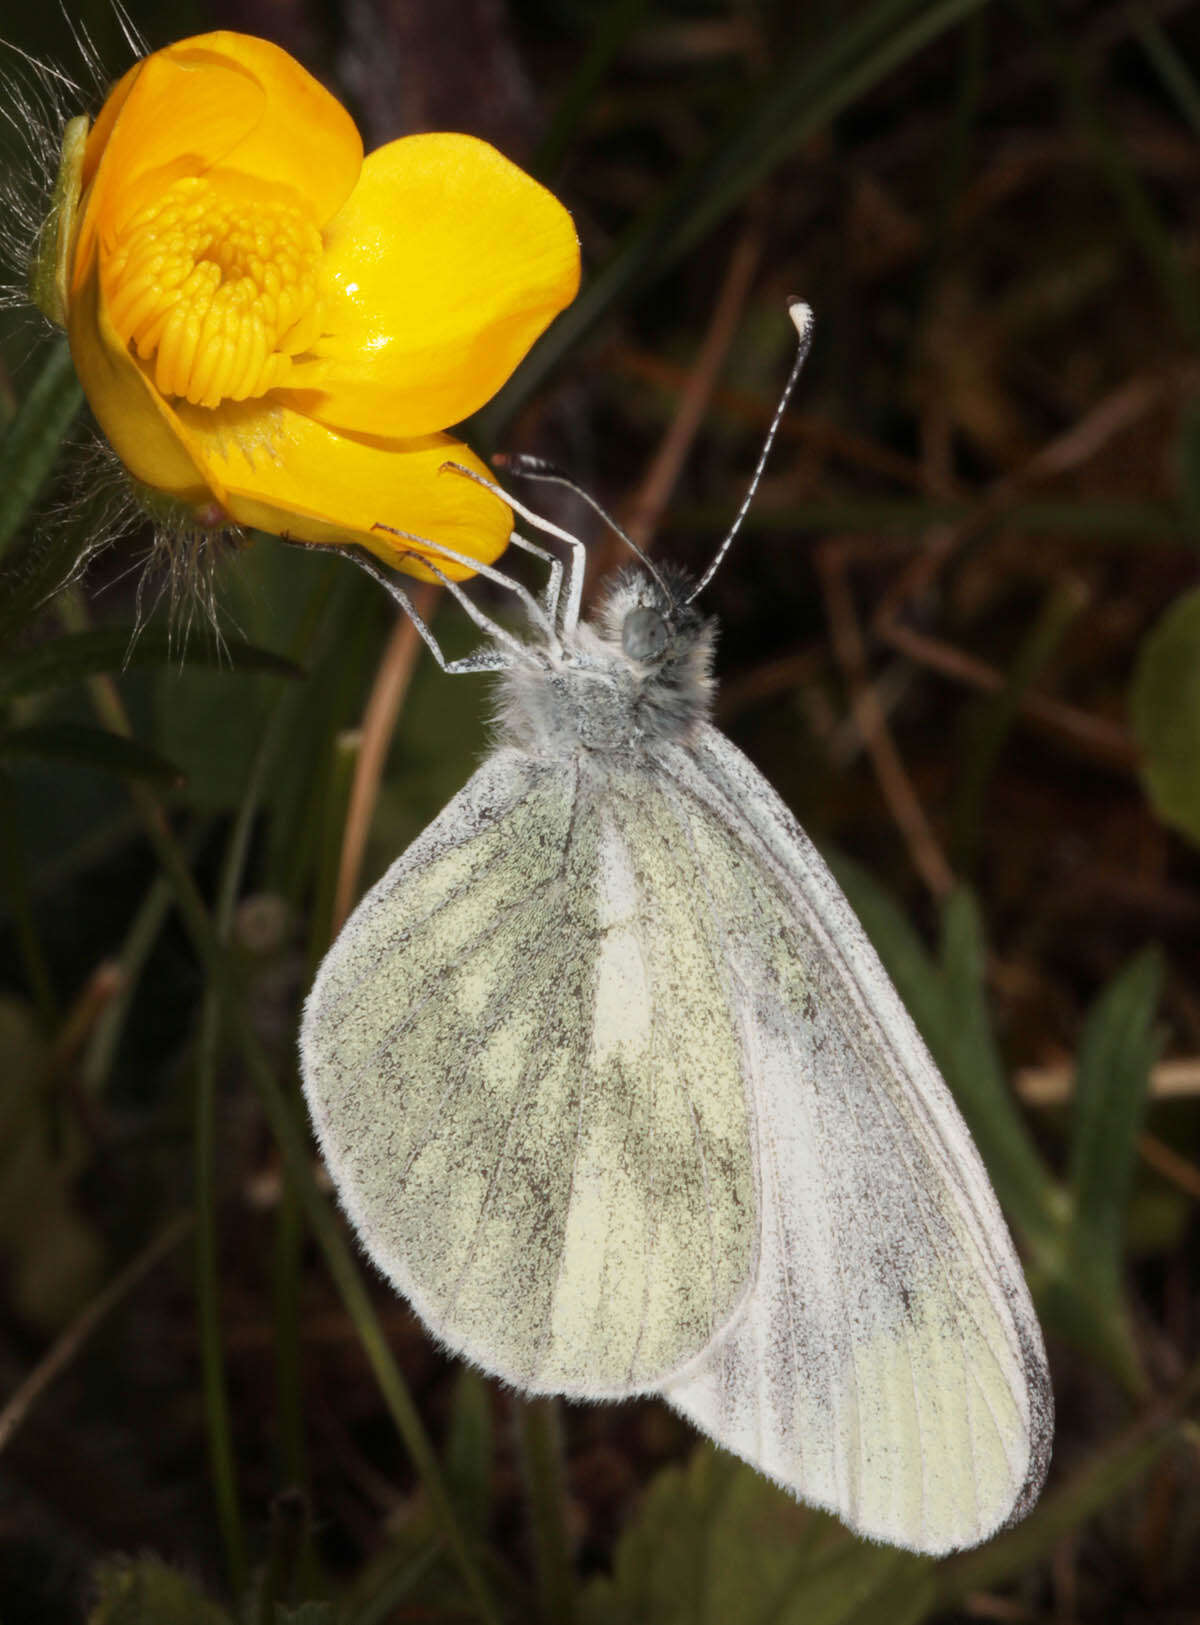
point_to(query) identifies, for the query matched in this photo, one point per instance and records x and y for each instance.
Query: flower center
(215, 283)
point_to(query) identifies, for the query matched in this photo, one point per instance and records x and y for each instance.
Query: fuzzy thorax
(637, 676)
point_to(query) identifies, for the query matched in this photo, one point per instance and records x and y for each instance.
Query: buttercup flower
(272, 330)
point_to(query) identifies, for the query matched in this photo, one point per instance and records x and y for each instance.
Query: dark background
(942, 639)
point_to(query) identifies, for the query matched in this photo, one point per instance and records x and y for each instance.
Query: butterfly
(616, 1092)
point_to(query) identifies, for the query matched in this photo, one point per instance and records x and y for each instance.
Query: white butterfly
(617, 1093)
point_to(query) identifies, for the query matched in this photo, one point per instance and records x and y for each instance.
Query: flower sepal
(177, 516)
(50, 263)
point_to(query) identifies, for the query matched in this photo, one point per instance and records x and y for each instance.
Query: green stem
(222, 1457)
(135, 951)
(1169, 65)
(1176, 281)
(539, 1425)
(608, 35)
(34, 437)
(330, 1238)
(16, 885)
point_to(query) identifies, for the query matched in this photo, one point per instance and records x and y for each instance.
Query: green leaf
(470, 1449)
(716, 1541)
(308, 1613)
(1164, 705)
(147, 1592)
(53, 1263)
(32, 441)
(78, 655)
(1119, 1047)
(89, 747)
(948, 1003)
(907, 961)
(1187, 462)
(976, 1074)
(992, 718)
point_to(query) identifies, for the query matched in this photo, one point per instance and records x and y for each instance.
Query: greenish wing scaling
(888, 1363)
(527, 1082)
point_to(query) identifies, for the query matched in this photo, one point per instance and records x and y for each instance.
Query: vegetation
(961, 634)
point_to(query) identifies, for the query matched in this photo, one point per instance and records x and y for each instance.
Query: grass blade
(34, 438)
(1118, 1049)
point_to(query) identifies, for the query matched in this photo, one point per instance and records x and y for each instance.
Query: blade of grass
(65, 660)
(776, 118)
(71, 1340)
(135, 951)
(470, 1449)
(994, 717)
(1103, 1477)
(1169, 65)
(273, 738)
(949, 1005)
(289, 1225)
(1118, 1049)
(1176, 281)
(1094, 522)
(539, 1428)
(293, 1147)
(321, 1219)
(977, 1074)
(324, 1224)
(89, 747)
(13, 865)
(620, 18)
(33, 439)
(218, 1425)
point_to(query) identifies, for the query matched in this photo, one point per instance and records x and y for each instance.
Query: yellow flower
(273, 330)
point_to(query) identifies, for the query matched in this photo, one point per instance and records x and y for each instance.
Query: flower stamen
(214, 287)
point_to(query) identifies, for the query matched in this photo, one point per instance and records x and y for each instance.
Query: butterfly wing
(527, 1083)
(888, 1364)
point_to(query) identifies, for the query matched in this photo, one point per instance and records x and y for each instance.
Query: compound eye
(644, 635)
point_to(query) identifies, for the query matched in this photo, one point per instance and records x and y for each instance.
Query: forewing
(528, 1085)
(888, 1364)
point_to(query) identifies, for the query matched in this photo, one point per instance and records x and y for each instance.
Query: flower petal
(141, 428)
(282, 472)
(220, 98)
(305, 139)
(441, 270)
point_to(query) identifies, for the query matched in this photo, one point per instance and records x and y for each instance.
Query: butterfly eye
(644, 634)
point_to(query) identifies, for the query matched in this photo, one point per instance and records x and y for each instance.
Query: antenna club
(802, 318)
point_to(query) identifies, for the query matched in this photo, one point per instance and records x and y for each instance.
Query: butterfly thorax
(637, 676)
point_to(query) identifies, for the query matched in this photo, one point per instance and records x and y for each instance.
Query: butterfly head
(664, 644)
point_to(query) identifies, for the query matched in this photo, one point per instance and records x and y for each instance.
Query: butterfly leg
(577, 563)
(554, 585)
(480, 660)
(532, 608)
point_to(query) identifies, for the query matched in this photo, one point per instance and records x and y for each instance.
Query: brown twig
(1168, 1162)
(379, 724)
(850, 649)
(649, 503)
(756, 411)
(1106, 740)
(1053, 1085)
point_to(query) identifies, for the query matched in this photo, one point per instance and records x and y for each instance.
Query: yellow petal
(282, 472)
(441, 270)
(305, 138)
(218, 99)
(141, 428)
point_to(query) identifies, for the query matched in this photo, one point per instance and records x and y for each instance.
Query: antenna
(537, 468)
(802, 318)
